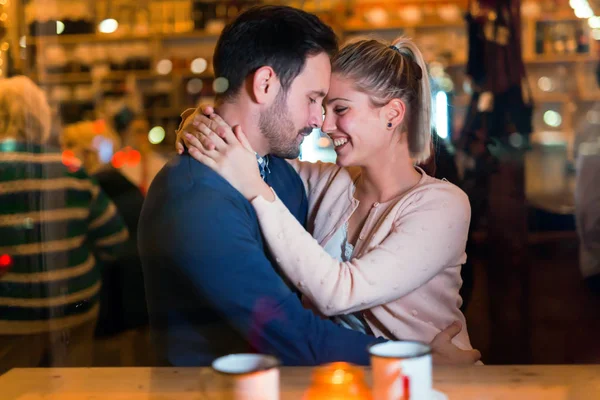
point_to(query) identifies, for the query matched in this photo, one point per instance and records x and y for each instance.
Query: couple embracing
(247, 249)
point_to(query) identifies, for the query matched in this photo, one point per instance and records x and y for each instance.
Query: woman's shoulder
(433, 193)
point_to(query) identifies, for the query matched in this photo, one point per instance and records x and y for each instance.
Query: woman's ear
(393, 114)
(265, 85)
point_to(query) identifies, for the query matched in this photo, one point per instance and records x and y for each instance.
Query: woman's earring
(389, 124)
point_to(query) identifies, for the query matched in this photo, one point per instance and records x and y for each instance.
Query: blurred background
(118, 73)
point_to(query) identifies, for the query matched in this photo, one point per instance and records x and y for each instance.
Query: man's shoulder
(183, 173)
(184, 181)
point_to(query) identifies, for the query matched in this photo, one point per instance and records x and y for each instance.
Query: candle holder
(338, 381)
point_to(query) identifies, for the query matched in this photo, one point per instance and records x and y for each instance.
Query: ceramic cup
(401, 371)
(246, 377)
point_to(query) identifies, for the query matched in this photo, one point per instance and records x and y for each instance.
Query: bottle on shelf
(59, 17)
(539, 38)
(583, 40)
(548, 42)
(571, 41)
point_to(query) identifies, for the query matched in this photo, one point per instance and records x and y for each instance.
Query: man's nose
(316, 120)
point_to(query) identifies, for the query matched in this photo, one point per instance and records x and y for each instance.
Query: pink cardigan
(405, 270)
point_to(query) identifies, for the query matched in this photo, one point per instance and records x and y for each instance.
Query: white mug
(247, 377)
(401, 371)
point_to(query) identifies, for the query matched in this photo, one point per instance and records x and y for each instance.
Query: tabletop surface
(465, 383)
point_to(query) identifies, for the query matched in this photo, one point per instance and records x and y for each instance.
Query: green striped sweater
(54, 221)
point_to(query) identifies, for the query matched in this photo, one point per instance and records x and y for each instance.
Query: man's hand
(444, 352)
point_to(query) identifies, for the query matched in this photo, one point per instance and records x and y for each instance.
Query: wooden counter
(465, 383)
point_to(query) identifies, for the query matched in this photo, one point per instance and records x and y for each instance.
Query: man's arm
(220, 255)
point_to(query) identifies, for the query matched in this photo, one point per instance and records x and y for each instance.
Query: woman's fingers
(204, 159)
(206, 109)
(211, 134)
(226, 133)
(185, 138)
(217, 118)
(217, 125)
(201, 144)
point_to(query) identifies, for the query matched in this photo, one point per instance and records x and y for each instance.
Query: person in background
(587, 199)
(151, 161)
(122, 299)
(56, 225)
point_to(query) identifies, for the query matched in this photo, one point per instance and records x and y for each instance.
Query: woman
(393, 238)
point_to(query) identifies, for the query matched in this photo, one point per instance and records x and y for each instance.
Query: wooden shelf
(163, 112)
(556, 58)
(188, 35)
(83, 39)
(84, 77)
(589, 97)
(354, 27)
(111, 38)
(555, 98)
(566, 15)
(542, 59)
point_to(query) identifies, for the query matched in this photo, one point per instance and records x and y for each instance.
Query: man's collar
(263, 165)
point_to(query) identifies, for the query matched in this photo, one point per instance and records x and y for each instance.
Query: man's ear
(265, 85)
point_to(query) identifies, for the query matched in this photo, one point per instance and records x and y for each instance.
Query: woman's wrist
(263, 190)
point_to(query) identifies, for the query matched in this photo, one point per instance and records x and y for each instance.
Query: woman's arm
(428, 237)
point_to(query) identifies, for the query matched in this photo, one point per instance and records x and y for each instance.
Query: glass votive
(338, 381)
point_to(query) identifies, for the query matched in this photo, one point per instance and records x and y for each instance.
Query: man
(211, 287)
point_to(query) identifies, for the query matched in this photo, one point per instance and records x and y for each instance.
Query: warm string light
(3, 45)
(582, 9)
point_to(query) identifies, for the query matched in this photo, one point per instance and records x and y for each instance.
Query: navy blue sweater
(210, 285)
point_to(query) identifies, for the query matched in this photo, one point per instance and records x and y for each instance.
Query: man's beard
(277, 127)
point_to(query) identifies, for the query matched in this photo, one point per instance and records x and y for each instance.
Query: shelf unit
(112, 38)
(450, 51)
(174, 47)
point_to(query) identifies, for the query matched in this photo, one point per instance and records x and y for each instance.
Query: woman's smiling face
(355, 125)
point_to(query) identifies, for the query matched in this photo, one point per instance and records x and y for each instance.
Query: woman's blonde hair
(392, 72)
(24, 111)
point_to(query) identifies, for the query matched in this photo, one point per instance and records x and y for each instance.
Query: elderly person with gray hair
(55, 224)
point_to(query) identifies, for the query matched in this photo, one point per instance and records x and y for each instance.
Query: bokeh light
(552, 118)
(108, 25)
(220, 85)
(194, 86)
(545, 84)
(164, 67)
(156, 135)
(199, 65)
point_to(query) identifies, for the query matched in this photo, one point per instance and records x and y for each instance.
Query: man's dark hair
(277, 36)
